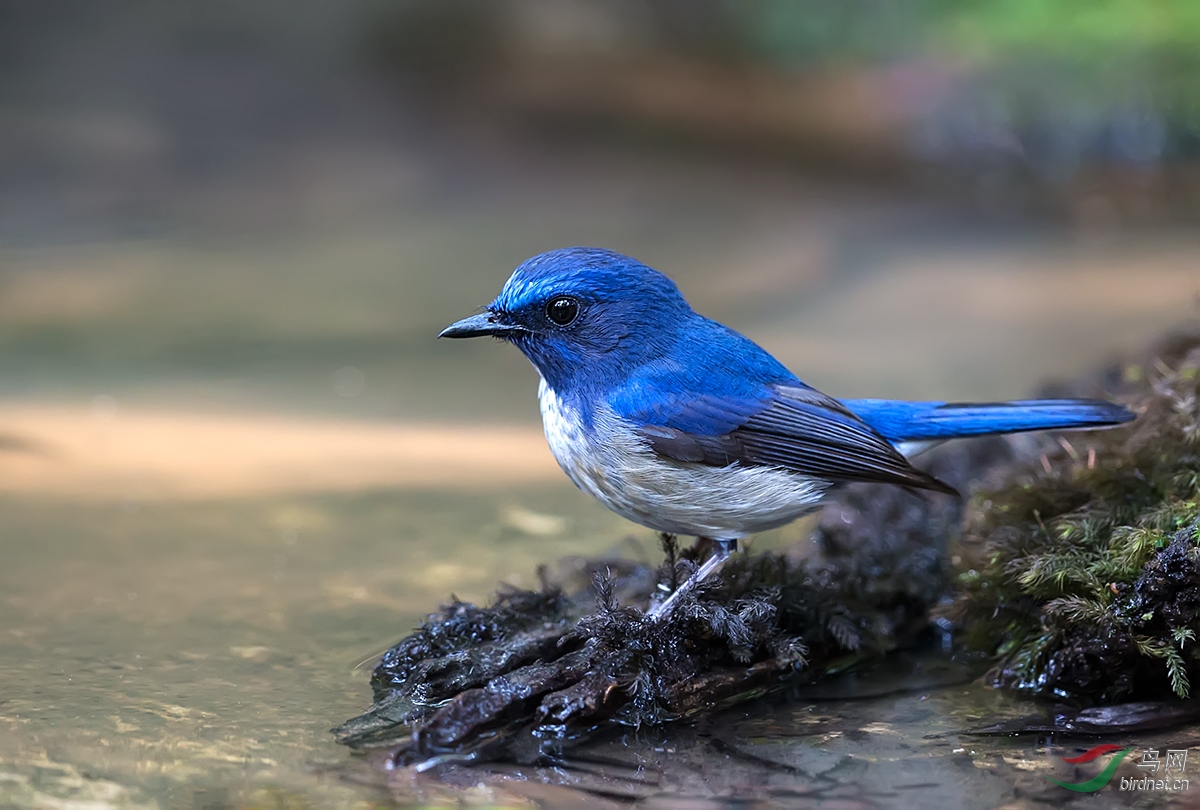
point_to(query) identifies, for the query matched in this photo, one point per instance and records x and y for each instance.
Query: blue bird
(685, 426)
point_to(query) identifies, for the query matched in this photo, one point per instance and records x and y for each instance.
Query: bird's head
(583, 314)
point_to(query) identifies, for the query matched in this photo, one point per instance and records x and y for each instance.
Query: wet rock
(1121, 719)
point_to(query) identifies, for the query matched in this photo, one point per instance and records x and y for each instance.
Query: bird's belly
(614, 465)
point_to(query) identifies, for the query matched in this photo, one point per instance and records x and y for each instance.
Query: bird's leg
(720, 553)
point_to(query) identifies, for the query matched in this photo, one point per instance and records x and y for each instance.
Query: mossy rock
(1083, 572)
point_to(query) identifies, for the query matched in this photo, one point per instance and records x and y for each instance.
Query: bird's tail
(923, 421)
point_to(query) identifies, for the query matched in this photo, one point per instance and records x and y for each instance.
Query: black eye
(562, 310)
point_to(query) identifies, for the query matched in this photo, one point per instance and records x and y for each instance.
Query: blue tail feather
(920, 421)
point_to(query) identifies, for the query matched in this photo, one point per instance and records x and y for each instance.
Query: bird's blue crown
(594, 275)
(625, 314)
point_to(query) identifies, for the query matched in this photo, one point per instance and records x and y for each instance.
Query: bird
(683, 425)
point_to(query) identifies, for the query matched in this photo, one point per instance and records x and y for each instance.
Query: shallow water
(175, 648)
(185, 634)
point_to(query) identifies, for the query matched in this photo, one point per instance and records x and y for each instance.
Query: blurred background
(232, 455)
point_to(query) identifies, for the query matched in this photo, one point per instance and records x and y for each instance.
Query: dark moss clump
(1086, 574)
(454, 637)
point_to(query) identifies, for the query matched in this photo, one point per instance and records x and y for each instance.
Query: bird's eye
(562, 310)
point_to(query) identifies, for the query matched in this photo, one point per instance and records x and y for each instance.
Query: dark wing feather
(799, 429)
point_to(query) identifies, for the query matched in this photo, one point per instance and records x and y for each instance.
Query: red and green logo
(1101, 779)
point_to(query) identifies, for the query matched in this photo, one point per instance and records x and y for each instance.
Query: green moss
(1086, 565)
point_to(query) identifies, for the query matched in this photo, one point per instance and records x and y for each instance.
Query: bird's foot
(720, 553)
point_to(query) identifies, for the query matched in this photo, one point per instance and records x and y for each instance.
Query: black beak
(481, 325)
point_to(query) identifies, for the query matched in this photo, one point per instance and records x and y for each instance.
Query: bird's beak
(481, 325)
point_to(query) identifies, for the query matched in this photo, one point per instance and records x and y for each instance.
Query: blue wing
(781, 424)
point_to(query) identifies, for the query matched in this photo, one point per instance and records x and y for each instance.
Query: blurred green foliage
(1090, 31)
(1096, 31)
(1106, 78)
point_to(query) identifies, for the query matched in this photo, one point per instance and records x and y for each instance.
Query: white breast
(616, 466)
(565, 435)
